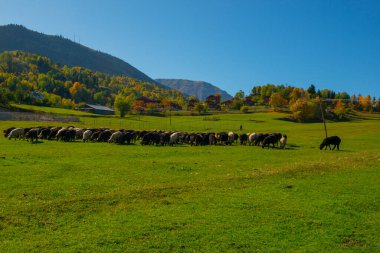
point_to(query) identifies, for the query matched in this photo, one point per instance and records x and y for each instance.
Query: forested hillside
(34, 79)
(65, 52)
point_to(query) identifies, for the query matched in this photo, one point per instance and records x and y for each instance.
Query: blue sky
(234, 44)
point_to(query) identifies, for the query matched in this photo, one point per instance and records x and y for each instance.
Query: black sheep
(332, 140)
(32, 134)
(243, 139)
(7, 131)
(270, 139)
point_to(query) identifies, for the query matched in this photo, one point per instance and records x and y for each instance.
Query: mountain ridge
(65, 52)
(199, 89)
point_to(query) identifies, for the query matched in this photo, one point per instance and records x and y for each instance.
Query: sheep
(79, 133)
(7, 131)
(270, 139)
(252, 138)
(17, 133)
(283, 141)
(211, 139)
(332, 140)
(243, 139)
(105, 136)
(53, 132)
(32, 134)
(231, 137)
(125, 137)
(174, 138)
(165, 138)
(86, 135)
(115, 137)
(44, 133)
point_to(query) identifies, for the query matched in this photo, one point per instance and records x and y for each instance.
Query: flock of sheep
(145, 137)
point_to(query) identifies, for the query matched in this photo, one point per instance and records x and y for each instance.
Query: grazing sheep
(86, 135)
(243, 139)
(125, 137)
(53, 132)
(332, 140)
(60, 134)
(283, 141)
(278, 137)
(222, 138)
(174, 138)
(270, 139)
(212, 139)
(165, 138)
(115, 137)
(79, 133)
(231, 137)
(252, 139)
(17, 133)
(44, 133)
(32, 134)
(7, 131)
(104, 136)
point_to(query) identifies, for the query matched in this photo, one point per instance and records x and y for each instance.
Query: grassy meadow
(100, 197)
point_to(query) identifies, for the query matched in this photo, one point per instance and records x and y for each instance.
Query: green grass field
(100, 197)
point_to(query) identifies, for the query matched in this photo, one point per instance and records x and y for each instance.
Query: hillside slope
(65, 52)
(32, 79)
(198, 89)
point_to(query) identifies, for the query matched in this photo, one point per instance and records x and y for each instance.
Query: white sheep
(86, 135)
(174, 138)
(231, 137)
(283, 141)
(115, 137)
(17, 133)
(251, 138)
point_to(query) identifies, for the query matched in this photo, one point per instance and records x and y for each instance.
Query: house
(97, 109)
(37, 95)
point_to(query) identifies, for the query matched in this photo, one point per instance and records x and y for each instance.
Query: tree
(237, 104)
(3, 97)
(296, 94)
(276, 100)
(138, 105)
(304, 109)
(213, 101)
(239, 94)
(201, 107)
(311, 91)
(340, 109)
(122, 105)
(365, 102)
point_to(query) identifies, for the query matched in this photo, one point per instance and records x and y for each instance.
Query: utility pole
(170, 116)
(323, 115)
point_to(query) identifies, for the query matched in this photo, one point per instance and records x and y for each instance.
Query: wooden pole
(170, 111)
(323, 116)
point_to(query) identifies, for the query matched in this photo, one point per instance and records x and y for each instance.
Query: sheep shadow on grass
(36, 142)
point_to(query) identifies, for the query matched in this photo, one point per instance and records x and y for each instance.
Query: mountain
(33, 79)
(199, 89)
(65, 52)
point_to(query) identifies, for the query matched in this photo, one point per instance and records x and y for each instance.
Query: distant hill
(33, 79)
(199, 89)
(65, 52)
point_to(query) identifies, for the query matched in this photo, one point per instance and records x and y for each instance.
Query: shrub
(244, 109)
